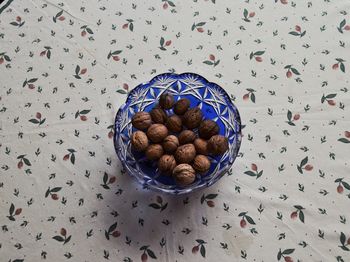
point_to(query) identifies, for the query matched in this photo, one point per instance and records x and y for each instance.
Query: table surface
(66, 68)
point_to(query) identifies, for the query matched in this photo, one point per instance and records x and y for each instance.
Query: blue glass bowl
(214, 103)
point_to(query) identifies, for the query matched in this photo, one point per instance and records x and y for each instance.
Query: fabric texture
(67, 66)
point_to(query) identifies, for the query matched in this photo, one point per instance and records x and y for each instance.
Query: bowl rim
(183, 190)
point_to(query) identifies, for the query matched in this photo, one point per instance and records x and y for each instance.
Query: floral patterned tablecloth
(67, 66)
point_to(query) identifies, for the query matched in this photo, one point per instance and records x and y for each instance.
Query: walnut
(186, 137)
(185, 153)
(181, 106)
(208, 128)
(141, 120)
(174, 123)
(201, 146)
(201, 164)
(166, 100)
(157, 132)
(217, 145)
(139, 141)
(193, 117)
(158, 115)
(170, 144)
(184, 174)
(166, 164)
(154, 151)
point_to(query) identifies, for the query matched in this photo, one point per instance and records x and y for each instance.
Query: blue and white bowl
(214, 103)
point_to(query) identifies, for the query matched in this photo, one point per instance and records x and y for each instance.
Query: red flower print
(288, 259)
(335, 66)
(296, 117)
(297, 28)
(63, 232)
(144, 257)
(347, 134)
(200, 29)
(212, 57)
(116, 234)
(18, 211)
(243, 223)
(308, 167)
(251, 14)
(165, 5)
(254, 167)
(258, 58)
(245, 96)
(340, 189)
(83, 118)
(331, 102)
(210, 203)
(294, 215)
(54, 196)
(195, 249)
(125, 26)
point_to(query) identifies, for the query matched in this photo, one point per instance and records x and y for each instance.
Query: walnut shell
(208, 128)
(201, 146)
(139, 141)
(166, 100)
(217, 145)
(158, 115)
(166, 164)
(201, 164)
(157, 132)
(184, 174)
(185, 153)
(193, 118)
(181, 106)
(174, 123)
(141, 120)
(154, 152)
(186, 137)
(170, 144)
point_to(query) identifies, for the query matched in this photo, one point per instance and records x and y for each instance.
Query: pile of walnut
(172, 141)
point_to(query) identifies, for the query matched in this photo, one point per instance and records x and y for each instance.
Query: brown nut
(158, 115)
(208, 128)
(166, 100)
(193, 117)
(170, 144)
(157, 132)
(184, 174)
(166, 164)
(201, 146)
(141, 120)
(185, 153)
(139, 141)
(186, 137)
(154, 151)
(201, 164)
(174, 123)
(181, 106)
(217, 145)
